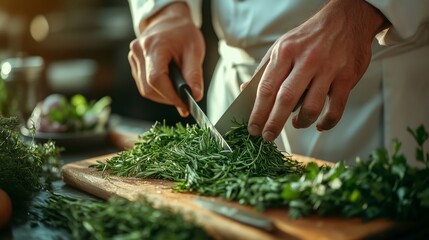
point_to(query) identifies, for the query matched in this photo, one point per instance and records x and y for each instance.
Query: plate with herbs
(70, 123)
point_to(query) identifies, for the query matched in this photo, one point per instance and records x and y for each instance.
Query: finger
(338, 96)
(244, 85)
(159, 80)
(133, 65)
(271, 80)
(313, 102)
(136, 60)
(264, 60)
(193, 73)
(287, 97)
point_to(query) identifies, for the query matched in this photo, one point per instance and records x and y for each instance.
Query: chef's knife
(185, 94)
(242, 106)
(236, 214)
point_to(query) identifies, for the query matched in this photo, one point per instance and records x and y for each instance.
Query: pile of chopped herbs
(116, 218)
(256, 173)
(194, 159)
(25, 167)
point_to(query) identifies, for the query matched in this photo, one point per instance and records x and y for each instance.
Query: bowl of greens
(71, 123)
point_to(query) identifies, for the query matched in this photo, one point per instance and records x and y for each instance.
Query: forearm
(366, 20)
(177, 10)
(141, 10)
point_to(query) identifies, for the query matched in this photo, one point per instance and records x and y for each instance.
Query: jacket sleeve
(143, 9)
(410, 20)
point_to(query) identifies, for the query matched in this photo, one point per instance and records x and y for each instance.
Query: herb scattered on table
(25, 167)
(116, 218)
(256, 173)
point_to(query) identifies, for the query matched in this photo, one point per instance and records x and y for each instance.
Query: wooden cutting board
(79, 175)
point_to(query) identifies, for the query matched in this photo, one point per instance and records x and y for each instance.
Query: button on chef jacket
(392, 95)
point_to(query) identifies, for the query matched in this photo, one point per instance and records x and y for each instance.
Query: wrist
(172, 10)
(365, 19)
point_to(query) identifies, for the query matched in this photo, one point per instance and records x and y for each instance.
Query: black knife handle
(179, 83)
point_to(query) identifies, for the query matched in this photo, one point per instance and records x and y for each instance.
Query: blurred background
(81, 46)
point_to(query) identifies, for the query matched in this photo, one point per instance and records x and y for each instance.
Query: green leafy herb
(256, 173)
(382, 186)
(23, 164)
(197, 162)
(116, 218)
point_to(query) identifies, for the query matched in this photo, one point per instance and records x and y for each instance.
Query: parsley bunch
(382, 186)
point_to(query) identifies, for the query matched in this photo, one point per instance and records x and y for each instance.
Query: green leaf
(399, 170)
(420, 134)
(355, 196)
(419, 154)
(312, 170)
(79, 104)
(401, 192)
(289, 193)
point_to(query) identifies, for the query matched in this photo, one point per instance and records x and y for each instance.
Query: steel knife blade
(236, 214)
(242, 106)
(185, 94)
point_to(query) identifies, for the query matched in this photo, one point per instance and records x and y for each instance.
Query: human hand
(169, 35)
(324, 57)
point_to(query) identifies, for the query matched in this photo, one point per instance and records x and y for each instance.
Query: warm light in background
(39, 28)
(5, 70)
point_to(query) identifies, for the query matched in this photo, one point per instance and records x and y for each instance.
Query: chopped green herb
(256, 173)
(116, 218)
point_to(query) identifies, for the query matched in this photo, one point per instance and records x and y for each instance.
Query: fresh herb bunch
(116, 218)
(24, 167)
(256, 173)
(382, 186)
(195, 160)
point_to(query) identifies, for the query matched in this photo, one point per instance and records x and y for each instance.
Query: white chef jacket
(392, 95)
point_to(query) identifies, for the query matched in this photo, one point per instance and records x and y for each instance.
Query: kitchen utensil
(239, 215)
(242, 106)
(185, 94)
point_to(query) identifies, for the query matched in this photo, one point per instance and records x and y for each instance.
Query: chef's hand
(169, 35)
(325, 56)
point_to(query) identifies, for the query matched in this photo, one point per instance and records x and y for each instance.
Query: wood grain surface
(79, 175)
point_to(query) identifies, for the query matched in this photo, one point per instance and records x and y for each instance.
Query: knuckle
(285, 49)
(135, 45)
(285, 96)
(153, 78)
(266, 89)
(149, 42)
